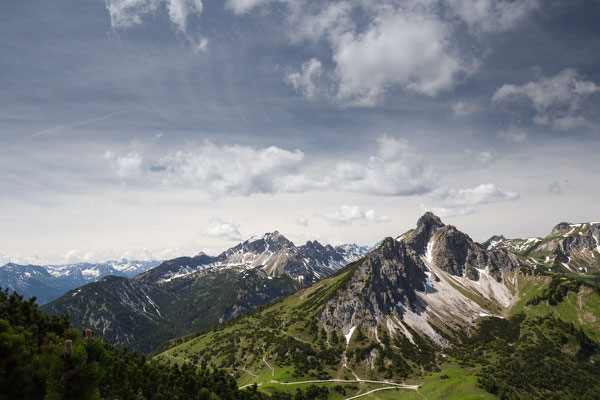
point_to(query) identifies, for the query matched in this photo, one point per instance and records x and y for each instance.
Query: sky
(150, 129)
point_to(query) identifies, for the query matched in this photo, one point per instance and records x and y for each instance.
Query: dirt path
(249, 372)
(269, 365)
(397, 385)
(371, 391)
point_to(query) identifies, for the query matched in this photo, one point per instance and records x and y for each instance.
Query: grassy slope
(252, 356)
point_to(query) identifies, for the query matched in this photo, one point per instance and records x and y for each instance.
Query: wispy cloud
(346, 215)
(59, 128)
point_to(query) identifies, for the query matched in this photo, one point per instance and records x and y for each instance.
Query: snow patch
(349, 335)
(429, 253)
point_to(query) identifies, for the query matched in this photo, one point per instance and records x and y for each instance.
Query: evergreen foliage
(44, 358)
(533, 358)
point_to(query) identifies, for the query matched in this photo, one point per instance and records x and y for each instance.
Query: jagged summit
(493, 242)
(418, 238)
(561, 228)
(427, 279)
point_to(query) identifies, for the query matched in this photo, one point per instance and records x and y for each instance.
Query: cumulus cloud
(127, 166)
(403, 49)
(224, 229)
(346, 215)
(305, 81)
(493, 15)
(396, 170)
(452, 201)
(234, 170)
(558, 100)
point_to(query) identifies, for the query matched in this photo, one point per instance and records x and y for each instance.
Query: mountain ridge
(191, 293)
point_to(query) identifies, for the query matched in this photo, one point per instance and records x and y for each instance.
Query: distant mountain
(569, 248)
(48, 282)
(272, 252)
(185, 294)
(430, 314)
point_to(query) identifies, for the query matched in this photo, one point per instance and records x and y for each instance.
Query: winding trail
(269, 365)
(394, 385)
(371, 391)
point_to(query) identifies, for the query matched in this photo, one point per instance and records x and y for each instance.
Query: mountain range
(432, 312)
(48, 282)
(426, 314)
(185, 294)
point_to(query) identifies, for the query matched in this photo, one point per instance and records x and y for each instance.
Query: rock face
(571, 248)
(420, 280)
(386, 280)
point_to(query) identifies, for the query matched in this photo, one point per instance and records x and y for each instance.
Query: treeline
(533, 358)
(557, 290)
(44, 358)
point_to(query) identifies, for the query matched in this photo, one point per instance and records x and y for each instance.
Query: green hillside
(284, 343)
(45, 358)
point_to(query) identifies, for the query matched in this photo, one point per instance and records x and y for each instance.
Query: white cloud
(6, 258)
(328, 20)
(397, 170)
(451, 202)
(346, 215)
(224, 229)
(402, 48)
(240, 7)
(235, 170)
(492, 15)
(301, 221)
(482, 158)
(127, 13)
(514, 134)
(128, 166)
(306, 80)
(557, 100)
(482, 194)
(443, 212)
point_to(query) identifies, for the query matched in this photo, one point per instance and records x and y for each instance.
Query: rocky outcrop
(455, 253)
(385, 281)
(421, 279)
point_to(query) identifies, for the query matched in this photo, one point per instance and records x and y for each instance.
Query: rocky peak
(427, 225)
(386, 281)
(493, 242)
(561, 228)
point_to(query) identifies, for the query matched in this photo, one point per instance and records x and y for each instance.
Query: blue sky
(155, 128)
